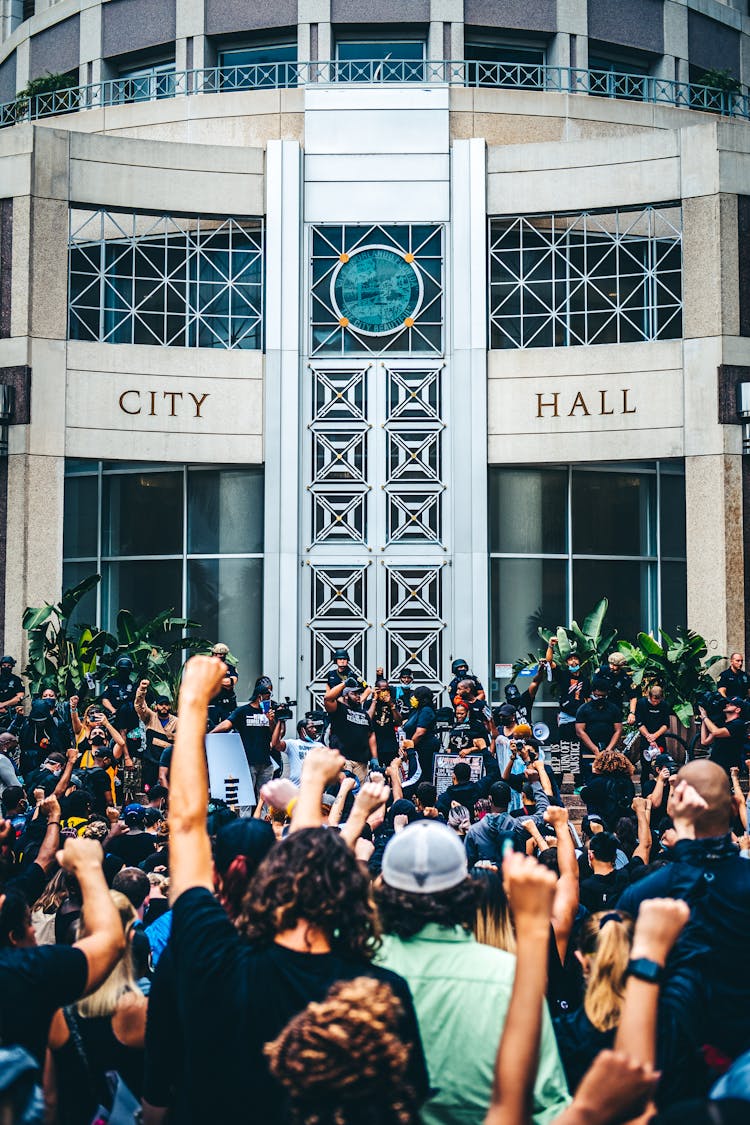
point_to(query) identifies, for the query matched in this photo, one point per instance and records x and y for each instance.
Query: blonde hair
(104, 1001)
(493, 923)
(54, 894)
(521, 730)
(606, 939)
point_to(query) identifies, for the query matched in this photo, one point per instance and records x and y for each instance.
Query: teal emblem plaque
(376, 290)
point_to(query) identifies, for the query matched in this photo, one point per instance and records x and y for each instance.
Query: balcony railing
(278, 76)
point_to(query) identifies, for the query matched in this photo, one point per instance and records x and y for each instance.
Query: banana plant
(680, 665)
(60, 655)
(591, 643)
(155, 647)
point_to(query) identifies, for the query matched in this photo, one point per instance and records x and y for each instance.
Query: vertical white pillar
(281, 413)
(468, 390)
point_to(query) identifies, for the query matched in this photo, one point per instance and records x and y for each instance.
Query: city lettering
(149, 403)
(599, 403)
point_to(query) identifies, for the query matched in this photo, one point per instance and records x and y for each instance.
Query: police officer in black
(119, 695)
(621, 689)
(734, 682)
(343, 670)
(460, 670)
(11, 690)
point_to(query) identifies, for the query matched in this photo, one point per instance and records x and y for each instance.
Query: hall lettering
(148, 402)
(599, 403)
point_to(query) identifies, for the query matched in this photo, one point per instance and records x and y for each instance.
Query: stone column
(468, 400)
(713, 461)
(37, 451)
(674, 63)
(281, 413)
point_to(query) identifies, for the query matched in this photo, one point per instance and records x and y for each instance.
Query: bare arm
(544, 780)
(331, 697)
(615, 737)
(394, 776)
(371, 796)
(105, 938)
(642, 807)
(584, 738)
(50, 807)
(63, 782)
(224, 725)
(530, 890)
(115, 735)
(190, 863)
(321, 766)
(337, 808)
(567, 893)
(660, 922)
(739, 796)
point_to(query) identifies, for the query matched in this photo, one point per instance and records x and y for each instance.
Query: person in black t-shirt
(523, 701)
(460, 670)
(727, 743)
(622, 690)
(11, 689)
(310, 922)
(386, 719)
(35, 982)
(598, 723)
(257, 727)
(468, 734)
(118, 698)
(351, 728)
(573, 690)
(734, 682)
(652, 715)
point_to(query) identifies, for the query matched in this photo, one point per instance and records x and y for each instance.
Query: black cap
(164, 699)
(735, 701)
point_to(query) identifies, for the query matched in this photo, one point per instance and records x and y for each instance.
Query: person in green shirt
(461, 988)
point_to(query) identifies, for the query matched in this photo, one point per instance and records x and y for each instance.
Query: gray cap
(425, 858)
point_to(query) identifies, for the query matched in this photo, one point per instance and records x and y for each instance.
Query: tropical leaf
(127, 629)
(33, 618)
(72, 597)
(592, 624)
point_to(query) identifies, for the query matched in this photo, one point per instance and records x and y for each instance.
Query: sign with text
(228, 770)
(442, 769)
(564, 757)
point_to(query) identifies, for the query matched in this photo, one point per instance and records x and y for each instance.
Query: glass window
(672, 522)
(630, 517)
(588, 278)
(270, 65)
(630, 587)
(528, 510)
(144, 586)
(81, 527)
(212, 574)
(85, 613)
(225, 511)
(226, 597)
(145, 83)
(184, 281)
(614, 513)
(380, 60)
(504, 64)
(673, 596)
(142, 514)
(524, 594)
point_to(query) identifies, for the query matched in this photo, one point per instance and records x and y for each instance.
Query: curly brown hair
(404, 914)
(312, 876)
(611, 761)
(342, 1061)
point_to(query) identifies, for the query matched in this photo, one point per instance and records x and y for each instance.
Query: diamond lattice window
(175, 280)
(589, 278)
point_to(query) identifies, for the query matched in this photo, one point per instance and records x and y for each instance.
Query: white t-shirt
(294, 753)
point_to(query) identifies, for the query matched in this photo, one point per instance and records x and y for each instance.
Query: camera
(713, 704)
(283, 711)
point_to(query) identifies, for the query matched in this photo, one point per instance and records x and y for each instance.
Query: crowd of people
(377, 941)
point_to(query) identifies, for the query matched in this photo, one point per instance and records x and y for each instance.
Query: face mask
(413, 701)
(574, 667)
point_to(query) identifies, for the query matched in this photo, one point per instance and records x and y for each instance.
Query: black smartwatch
(643, 969)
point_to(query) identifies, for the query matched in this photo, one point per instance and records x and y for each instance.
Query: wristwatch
(643, 969)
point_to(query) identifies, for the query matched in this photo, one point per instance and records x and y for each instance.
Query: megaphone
(540, 732)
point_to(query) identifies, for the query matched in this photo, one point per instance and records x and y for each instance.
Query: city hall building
(399, 326)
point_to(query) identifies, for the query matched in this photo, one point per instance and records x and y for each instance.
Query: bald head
(712, 784)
